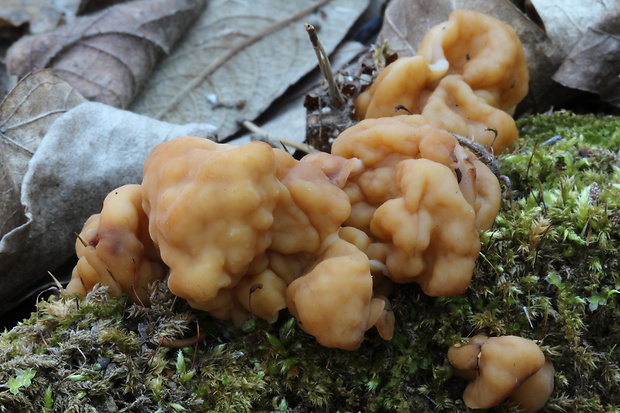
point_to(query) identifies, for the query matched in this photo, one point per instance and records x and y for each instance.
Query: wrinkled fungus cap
(114, 249)
(467, 78)
(335, 302)
(485, 51)
(210, 208)
(502, 367)
(421, 197)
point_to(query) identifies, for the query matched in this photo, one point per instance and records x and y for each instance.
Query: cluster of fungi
(250, 230)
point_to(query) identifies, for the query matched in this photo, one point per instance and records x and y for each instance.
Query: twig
(325, 66)
(183, 342)
(254, 128)
(483, 154)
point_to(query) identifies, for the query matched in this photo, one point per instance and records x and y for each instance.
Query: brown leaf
(41, 15)
(406, 22)
(238, 58)
(286, 117)
(593, 64)
(25, 116)
(566, 21)
(27, 113)
(109, 55)
(11, 211)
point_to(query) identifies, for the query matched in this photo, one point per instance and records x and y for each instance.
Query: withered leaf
(11, 211)
(86, 153)
(26, 114)
(593, 64)
(566, 21)
(406, 22)
(40, 15)
(286, 118)
(107, 56)
(238, 58)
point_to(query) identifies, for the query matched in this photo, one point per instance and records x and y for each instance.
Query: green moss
(549, 270)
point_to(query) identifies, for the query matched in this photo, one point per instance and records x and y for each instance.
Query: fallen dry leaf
(566, 21)
(586, 37)
(406, 22)
(593, 64)
(286, 118)
(26, 114)
(86, 153)
(11, 211)
(109, 55)
(40, 15)
(238, 58)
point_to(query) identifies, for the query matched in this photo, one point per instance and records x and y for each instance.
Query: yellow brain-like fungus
(421, 197)
(467, 78)
(114, 249)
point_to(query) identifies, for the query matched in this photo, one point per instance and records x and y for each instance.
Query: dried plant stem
(269, 138)
(483, 154)
(325, 66)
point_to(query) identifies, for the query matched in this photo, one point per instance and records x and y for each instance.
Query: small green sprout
(600, 298)
(23, 379)
(180, 363)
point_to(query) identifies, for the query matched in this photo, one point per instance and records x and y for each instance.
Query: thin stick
(325, 66)
(485, 156)
(254, 128)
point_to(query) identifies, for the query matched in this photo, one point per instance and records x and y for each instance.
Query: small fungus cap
(505, 363)
(334, 300)
(464, 356)
(407, 82)
(455, 107)
(485, 51)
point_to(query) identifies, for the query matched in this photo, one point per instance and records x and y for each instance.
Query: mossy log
(549, 270)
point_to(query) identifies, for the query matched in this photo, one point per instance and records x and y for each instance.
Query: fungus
(334, 300)
(407, 81)
(421, 197)
(484, 51)
(533, 394)
(210, 208)
(455, 107)
(468, 76)
(238, 224)
(310, 206)
(503, 367)
(114, 249)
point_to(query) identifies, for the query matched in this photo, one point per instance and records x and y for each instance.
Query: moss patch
(549, 270)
